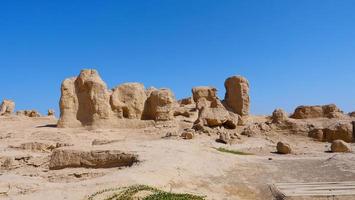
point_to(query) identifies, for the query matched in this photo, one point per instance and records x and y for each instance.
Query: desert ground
(170, 163)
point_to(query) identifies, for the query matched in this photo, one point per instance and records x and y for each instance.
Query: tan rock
(160, 105)
(68, 105)
(209, 93)
(215, 115)
(256, 129)
(316, 134)
(340, 146)
(338, 131)
(188, 135)
(279, 116)
(211, 111)
(149, 91)
(283, 148)
(84, 100)
(237, 95)
(224, 137)
(7, 107)
(66, 158)
(128, 99)
(326, 111)
(182, 111)
(50, 112)
(28, 113)
(186, 101)
(93, 97)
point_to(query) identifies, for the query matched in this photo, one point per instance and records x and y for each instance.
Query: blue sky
(293, 52)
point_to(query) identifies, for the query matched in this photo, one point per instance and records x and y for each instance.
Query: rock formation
(93, 98)
(160, 105)
(209, 93)
(316, 134)
(186, 101)
(7, 107)
(211, 111)
(28, 113)
(340, 146)
(256, 129)
(338, 131)
(326, 111)
(237, 95)
(86, 101)
(128, 99)
(68, 105)
(279, 116)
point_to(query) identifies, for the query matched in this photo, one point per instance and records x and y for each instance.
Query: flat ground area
(168, 163)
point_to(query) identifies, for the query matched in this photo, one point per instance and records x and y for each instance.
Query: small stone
(50, 112)
(225, 137)
(340, 146)
(187, 135)
(283, 148)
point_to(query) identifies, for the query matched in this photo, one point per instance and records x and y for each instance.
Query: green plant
(127, 193)
(224, 150)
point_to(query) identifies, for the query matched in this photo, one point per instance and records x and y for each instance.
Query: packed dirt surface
(165, 161)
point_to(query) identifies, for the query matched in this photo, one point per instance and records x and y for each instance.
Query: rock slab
(66, 158)
(237, 95)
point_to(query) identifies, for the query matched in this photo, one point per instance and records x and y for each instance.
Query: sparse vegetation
(221, 149)
(128, 193)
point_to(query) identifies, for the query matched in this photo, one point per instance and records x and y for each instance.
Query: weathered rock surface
(352, 114)
(326, 111)
(7, 107)
(93, 98)
(65, 158)
(237, 95)
(316, 134)
(283, 148)
(337, 131)
(160, 105)
(340, 146)
(209, 93)
(28, 113)
(182, 111)
(279, 116)
(186, 101)
(84, 101)
(213, 114)
(68, 105)
(211, 111)
(128, 99)
(256, 129)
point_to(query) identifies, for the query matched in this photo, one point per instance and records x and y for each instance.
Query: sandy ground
(172, 164)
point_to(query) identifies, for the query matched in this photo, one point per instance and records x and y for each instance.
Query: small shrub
(224, 150)
(127, 193)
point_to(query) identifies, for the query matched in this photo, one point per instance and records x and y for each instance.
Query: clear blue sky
(292, 51)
